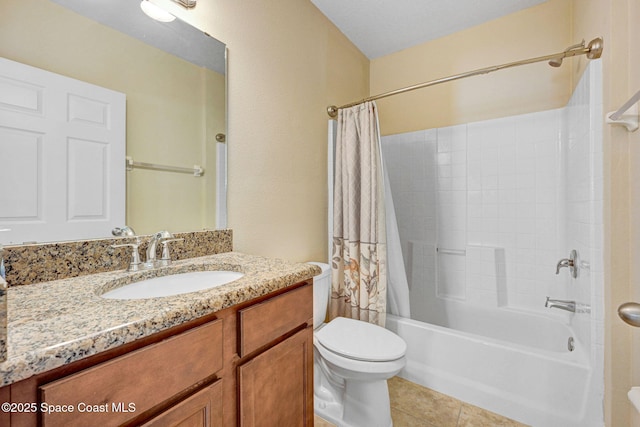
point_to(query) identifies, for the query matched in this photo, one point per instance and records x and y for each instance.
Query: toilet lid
(360, 340)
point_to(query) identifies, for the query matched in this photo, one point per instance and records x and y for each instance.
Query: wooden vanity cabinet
(276, 383)
(248, 365)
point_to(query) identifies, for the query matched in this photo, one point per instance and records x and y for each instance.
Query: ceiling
(381, 27)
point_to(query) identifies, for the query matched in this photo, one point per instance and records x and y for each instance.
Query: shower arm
(593, 51)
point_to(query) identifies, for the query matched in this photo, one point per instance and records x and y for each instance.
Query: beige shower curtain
(359, 278)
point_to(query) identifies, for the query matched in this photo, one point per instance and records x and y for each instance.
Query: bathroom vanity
(238, 354)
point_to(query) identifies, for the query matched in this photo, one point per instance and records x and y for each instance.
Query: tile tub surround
(35, 263)
(55, 323)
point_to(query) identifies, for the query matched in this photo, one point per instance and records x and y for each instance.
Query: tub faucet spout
(561, 304)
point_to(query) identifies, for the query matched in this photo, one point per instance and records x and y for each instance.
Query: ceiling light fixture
(156, 12)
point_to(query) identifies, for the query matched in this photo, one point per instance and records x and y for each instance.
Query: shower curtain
(397, 283)
(359, 274)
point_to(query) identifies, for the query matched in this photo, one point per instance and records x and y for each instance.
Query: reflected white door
(62, 156)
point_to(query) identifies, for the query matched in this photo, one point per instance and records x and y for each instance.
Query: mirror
(173, 76)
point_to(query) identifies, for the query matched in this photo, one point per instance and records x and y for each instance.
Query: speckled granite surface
(3, 320)
(27, 264)
(55, 323)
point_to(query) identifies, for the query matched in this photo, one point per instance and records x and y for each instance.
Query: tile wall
(410, 159)
(491, 184)
(491, 197)
(584, 219)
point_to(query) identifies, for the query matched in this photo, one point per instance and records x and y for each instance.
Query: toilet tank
(321, 289)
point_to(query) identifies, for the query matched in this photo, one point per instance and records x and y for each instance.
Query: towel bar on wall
(196, 170)
(451, 251)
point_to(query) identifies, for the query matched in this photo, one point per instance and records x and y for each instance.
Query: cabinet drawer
(264, 322)
(143, 378)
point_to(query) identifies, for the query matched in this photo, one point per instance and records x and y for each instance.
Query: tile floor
(413, 405)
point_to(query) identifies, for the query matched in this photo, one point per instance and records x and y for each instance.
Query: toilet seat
(362, 341)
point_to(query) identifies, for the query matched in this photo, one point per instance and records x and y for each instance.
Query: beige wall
(537, 31)
(617, 21)
(164, 126)
(287, 62)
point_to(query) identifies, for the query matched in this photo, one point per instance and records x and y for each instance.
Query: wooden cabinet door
(276, 387)
(203, 409)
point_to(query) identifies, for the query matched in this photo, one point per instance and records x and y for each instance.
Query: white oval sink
(175, 284)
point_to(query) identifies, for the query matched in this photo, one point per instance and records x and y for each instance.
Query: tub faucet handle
(564, 262)
(571, 263)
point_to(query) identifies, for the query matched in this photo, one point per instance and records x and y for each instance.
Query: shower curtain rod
(593, 51)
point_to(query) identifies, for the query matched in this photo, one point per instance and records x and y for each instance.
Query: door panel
(62, 156)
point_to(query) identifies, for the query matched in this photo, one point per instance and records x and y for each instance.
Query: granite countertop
(54, 323)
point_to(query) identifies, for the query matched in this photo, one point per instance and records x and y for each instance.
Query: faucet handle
(135, 264)
(166, 254)
(564, 262)
(161, 235)
(165, 242)
(572, 263)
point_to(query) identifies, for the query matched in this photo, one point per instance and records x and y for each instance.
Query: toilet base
(329, 411)
(365, 404)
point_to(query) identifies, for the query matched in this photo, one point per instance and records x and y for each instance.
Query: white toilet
(352, 362)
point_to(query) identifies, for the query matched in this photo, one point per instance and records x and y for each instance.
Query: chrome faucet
(561, 304)
(150, 261)
(571, 263)
(125, 231)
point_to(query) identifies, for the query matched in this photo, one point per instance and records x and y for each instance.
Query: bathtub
(515, 364)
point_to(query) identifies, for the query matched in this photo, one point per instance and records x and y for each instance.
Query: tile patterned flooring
(413, 405)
